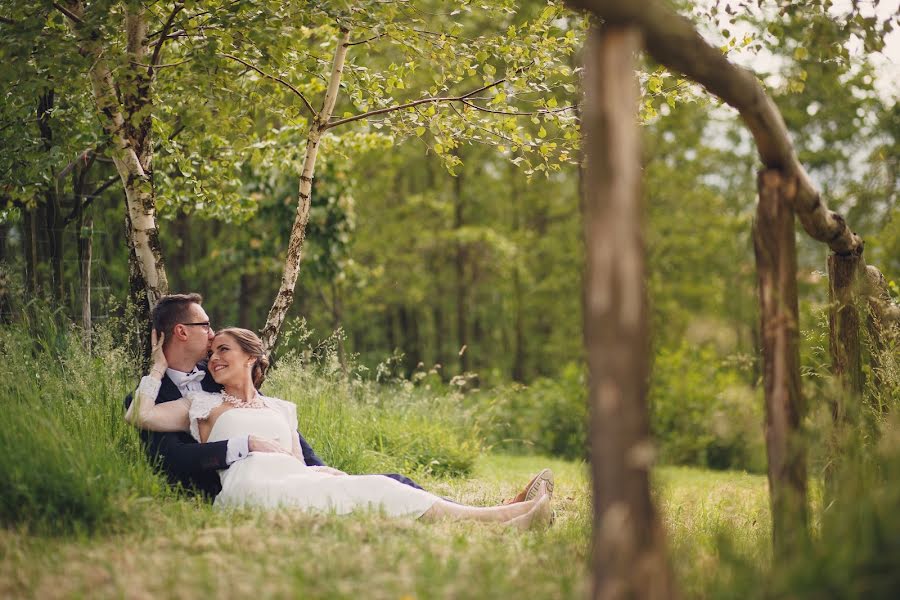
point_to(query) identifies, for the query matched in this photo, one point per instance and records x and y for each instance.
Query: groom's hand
(258, 444)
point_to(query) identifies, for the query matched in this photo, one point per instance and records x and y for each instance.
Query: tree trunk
(285, 296)
(518, 366)
(5, 295)
(338, 325)
(462, 326)
(248, 284)
(85, 251)
(130, 134)
(844, 328)
(30, 248)
(51, 209)
(629, 558)
(776, 263)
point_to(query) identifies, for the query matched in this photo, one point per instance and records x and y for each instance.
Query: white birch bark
(285, 296)
(139, 195)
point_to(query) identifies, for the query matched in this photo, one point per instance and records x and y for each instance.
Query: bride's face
(229, 364)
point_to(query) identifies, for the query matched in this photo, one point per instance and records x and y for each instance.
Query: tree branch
(157, 49)
(366, 41)
(88, 153)
(277, 79)
(89, 199)
(543, 111)
(432, 99)
(67, 12)
(7, 21)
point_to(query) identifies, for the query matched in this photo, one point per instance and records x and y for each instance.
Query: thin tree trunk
(85, 252)
(248, 285)
(51, 209)
(29, 242)
(285, 296)
(131, 142)
(776, 263)
(462, 326)
(5, 295)
(338, 325)
(629, 559)
(518, 367)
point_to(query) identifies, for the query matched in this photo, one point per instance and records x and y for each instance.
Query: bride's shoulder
(203, 402)
(288, 409)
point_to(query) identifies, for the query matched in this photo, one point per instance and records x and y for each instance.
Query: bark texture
(628, 558)
(285, 296)
(776, 263)
(131, 142)
(844, 328)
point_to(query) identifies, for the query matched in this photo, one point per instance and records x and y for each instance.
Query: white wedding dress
(269, 480)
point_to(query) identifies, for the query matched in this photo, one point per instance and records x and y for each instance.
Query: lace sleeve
(202, 404)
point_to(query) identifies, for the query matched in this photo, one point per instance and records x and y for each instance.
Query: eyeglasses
(204, 325)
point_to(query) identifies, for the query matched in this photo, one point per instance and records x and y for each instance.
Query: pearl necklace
(236, 402)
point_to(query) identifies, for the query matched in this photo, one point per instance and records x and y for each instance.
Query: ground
(186, 550)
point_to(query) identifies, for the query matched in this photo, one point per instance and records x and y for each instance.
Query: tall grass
(70, 462)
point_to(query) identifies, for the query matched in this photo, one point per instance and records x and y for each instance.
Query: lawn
(183, 549)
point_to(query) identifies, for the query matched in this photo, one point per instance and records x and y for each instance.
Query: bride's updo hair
(252, 345)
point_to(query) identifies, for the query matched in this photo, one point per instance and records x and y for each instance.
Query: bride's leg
(502, 513)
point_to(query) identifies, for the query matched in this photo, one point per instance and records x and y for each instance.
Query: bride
(280, 477)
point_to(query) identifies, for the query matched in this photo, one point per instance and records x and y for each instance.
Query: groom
(188, 335)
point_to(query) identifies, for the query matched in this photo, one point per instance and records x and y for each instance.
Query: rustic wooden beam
(844, 329)
(776, 263)
(628, 559)
(673, 41)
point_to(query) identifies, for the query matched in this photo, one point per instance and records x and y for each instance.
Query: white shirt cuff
(238, 449)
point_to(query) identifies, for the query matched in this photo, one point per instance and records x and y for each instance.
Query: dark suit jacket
(188, 462)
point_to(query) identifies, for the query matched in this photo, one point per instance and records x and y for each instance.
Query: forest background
(444, 242)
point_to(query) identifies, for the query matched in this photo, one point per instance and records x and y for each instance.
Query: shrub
(70, 463)
(701, 413)
(547, 417)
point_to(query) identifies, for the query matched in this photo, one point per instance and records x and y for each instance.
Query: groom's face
(198, 338)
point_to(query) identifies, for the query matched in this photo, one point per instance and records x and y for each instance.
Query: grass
(179, 548)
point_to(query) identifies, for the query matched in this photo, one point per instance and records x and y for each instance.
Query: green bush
(701, 413)
(70, 463)
(547, 417)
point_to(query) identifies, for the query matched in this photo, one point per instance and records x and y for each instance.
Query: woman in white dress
(280, 478)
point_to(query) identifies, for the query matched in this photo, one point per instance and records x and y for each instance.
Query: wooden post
(629, 558)
(843, 330)
(776, 263)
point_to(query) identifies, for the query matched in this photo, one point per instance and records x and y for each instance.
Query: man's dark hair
(171, 310)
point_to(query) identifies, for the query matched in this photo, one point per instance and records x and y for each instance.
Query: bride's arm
(168, 416)
(146, 414)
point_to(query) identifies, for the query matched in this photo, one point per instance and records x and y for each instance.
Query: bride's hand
(160, 364)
